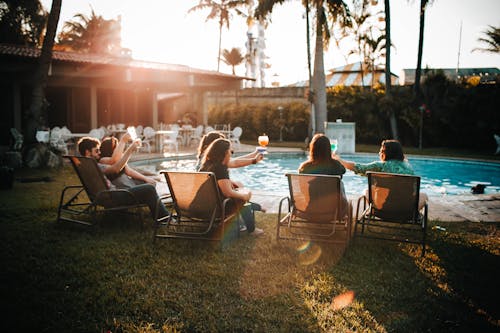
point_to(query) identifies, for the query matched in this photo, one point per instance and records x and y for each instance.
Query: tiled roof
(98, 59)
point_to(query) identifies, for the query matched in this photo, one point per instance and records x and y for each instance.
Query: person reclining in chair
(144, 193)
(112, 150)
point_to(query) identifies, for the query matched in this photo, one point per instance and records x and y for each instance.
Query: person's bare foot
(257, 232)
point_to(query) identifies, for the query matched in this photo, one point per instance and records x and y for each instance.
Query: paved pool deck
(457, 208)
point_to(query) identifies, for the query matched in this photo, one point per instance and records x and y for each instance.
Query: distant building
(353, 75)
(487, 75)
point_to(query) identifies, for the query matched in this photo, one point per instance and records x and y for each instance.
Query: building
(86, 91)
(353, 75)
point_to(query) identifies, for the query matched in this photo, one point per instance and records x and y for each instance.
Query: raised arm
(347, 164)
(245, 160)
(120, 164)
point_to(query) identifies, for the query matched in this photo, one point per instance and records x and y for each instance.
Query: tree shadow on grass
(60, 279)
(467, 255)
(407, 293)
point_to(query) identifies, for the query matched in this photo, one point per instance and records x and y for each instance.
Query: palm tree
(334, 11)
(91, 34)
(22, 22)
(388, 83)
(232, 58)
(35, 111)
(418, 70)
(491, 39)
(219, 10)
(373, 49)
(360, 17)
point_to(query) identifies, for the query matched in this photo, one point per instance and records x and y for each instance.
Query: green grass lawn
(61, 278)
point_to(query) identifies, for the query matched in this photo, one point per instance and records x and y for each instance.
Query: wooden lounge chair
(84, 203)
(315, 210)
(390, 211)
(200, 212)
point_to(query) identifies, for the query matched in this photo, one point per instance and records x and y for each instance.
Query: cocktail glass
(263, 142)
(334, 145)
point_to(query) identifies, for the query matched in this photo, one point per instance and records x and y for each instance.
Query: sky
(163, 31)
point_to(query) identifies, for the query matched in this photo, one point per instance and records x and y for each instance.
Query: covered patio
(86, 91)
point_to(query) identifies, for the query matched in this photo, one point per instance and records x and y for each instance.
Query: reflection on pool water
(439, 176)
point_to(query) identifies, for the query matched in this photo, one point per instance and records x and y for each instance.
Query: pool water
(439, 176)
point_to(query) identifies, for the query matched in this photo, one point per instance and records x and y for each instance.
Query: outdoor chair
(199, 210)
(148, 138)
(170, 141)
(85, 203)
(196, 136)
(314, 210)
(390, 210)
(235, 135)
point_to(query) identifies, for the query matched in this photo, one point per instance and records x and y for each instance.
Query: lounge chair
(390, 211)
(316, 210)
(200, 212)
(84, 203)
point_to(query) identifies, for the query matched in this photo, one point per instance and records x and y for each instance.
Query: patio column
(154, 96)
(93, 107)
(204, 107)
(17, 106)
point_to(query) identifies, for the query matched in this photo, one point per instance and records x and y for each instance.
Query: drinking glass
(263, 142)
(133, 134)
(334, 145)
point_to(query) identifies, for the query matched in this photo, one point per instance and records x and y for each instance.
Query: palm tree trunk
(311, 93)
(35, 118)
(388, 83)
(220, 42)
(319, 84)
(418, 70)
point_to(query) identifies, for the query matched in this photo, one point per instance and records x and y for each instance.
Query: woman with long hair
(320, 162)
(236, 162)
(320, 159)
(216, 159)
(111, 151)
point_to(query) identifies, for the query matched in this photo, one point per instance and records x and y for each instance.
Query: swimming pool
(439, 176)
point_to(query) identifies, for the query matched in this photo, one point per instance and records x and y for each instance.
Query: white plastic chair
(97, 133)
(196, 136)
(170, 140)
(139, 130)
(149, 135)
(56, 141)
(42, 136)
(209, 129)
(235, 135)
(67, 138)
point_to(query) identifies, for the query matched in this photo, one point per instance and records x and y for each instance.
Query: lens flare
(343, 300)
(304, 246)
(310, 255)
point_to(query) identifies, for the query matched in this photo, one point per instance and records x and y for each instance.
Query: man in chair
(144, 193)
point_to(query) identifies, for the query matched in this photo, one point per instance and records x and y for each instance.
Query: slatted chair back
(90, 175)
(195, 194)
(394, 196)
(317, 210)
(315, 197)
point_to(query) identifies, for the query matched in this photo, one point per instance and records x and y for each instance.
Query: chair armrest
(362, 199)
